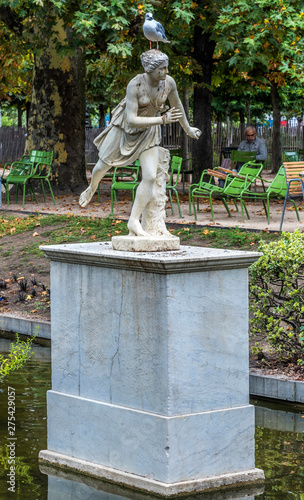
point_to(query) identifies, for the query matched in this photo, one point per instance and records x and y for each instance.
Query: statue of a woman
(135, 131)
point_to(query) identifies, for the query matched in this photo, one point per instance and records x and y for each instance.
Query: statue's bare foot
(135, 229)
(85, 197)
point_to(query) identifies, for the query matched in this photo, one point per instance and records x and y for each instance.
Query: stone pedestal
(150, 377)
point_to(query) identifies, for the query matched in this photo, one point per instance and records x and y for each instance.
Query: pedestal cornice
(187, 259)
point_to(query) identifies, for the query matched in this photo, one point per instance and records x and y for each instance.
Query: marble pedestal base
(150, 380)
(66, 485)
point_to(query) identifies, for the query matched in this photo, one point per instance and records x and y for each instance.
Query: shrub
(277, 295)
(19, 353)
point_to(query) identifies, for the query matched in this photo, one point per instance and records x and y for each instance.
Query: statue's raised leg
(98, 172)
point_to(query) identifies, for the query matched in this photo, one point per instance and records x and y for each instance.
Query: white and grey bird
(153, 30)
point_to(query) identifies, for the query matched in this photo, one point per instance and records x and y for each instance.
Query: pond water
(279, 446)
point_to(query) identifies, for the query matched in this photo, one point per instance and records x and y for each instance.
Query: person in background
(252, 143)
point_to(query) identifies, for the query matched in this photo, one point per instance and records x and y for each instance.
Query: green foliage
(19, 353)
(15, 67)
(264, 37)
(277, 295)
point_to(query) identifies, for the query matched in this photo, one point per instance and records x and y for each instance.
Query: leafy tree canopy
(16, 65)
(263, 38)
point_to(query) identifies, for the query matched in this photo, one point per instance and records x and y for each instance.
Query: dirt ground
(25, 281)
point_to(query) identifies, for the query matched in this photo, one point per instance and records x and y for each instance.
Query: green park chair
(120, 174)
(290, 156)
(187, 168)
(130, 181)
(206, 186)
(42, 161)
(206, 183)
(242, 183)
(295, 184)
(234, 185)
(242, 156)
(301, 154)
(277, 189)
(35, 165)
(19, 174)
(175, 171)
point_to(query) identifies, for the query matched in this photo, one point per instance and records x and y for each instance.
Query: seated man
(252, 143)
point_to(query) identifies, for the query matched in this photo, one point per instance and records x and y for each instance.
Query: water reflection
(30, 384)
(279, 448)
(73, 486)
(40, 353)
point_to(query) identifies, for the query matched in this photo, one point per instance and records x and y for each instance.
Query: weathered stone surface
(144, 244)
(215, 485)
(150, 373)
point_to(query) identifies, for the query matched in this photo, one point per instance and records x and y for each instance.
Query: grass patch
(233, 238)
(61, 229)
(7, 253)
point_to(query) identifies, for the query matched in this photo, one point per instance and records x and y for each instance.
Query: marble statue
(135, 133)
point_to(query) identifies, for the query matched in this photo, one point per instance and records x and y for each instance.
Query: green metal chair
(234, 185)
(276, 189)
(36, 165)
(290, 156)
(130, 182)
(242, 183)
(42, 161)
(207, 184)
(175, 170)
(301, 154)
(242, 156)
(19, 174)
(187, 168)
(295, 184)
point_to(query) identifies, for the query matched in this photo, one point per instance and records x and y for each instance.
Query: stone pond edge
(266, 386)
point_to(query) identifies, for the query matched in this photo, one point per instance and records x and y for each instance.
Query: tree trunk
(102, 115)
(19, 108)
(276, 137)
(202, 148)
(57, 113)
(242, 124)
(28, 110)
(228, 125)
(248, 110)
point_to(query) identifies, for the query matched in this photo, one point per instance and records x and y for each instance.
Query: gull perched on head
(153, 30)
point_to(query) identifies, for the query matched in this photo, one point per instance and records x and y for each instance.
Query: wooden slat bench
(295, 185)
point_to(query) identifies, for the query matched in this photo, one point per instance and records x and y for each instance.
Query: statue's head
(152, 59)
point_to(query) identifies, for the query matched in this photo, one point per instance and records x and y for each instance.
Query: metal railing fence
(12, 140)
